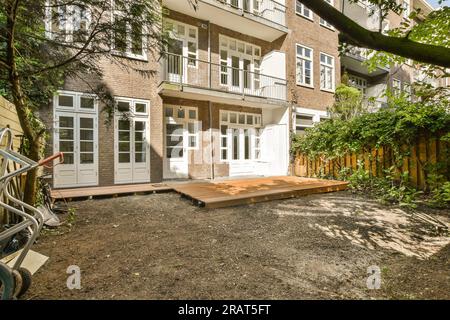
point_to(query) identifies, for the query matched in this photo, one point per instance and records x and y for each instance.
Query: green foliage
(45, 59)
(392, 128)
(433, 30)
(441, 196)
(400, 124)
(386, 189)
(348, 103)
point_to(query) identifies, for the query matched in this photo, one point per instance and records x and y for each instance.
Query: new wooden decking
(92, 192)
(216, 194)
(245, 191)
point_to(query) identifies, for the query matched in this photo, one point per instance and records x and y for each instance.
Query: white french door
(241, 74)
(132, 150)
(176, 157)
(76, 135)
(242, 161)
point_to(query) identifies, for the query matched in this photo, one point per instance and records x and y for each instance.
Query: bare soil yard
(315, 247)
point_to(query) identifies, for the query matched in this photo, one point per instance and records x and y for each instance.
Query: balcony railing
(186, 71)
(268, 9)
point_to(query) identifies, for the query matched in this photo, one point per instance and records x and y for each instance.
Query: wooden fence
(428, 155)
(8, 118)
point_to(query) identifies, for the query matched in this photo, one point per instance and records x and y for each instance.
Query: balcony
(364, 13)
(196, 79)
(353, 59)
(263, 19)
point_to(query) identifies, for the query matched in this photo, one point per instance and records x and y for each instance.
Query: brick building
(236, 79)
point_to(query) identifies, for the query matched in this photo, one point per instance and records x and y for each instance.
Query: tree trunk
(31, 187)
(24, 112)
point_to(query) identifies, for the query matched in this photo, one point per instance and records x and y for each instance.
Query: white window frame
(396, 87)
(127, 53)
(325, 23)
(256, 124)
(68, 24)
(317, 116)
(132, 102)
(76, 95)
(301, 82)
(406, 9)
(185, 38)
(333, 71)
(298, 125)
(407, 88)
(225, 45)
(300, 6)
(358, 83)
(186, 120)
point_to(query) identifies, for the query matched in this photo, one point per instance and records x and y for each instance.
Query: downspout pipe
(211, 138)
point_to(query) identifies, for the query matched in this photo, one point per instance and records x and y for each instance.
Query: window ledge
(305, 86)
(327, 90)
(305, 17)
(327, 27)
(128, 55)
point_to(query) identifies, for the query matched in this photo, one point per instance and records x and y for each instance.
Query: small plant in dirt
(65, 227)
(386, 189)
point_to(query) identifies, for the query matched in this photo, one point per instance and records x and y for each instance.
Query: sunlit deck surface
(245, 191)
(215, 194)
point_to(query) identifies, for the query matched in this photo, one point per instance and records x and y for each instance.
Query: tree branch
(355, 34)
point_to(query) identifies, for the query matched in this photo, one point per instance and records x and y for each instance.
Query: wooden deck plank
(218, 194)
(238, 192)
(58, 194)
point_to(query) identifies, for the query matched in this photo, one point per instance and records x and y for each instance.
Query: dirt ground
(316, 247)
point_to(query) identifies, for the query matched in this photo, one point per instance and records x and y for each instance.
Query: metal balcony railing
(177, 69)
(268, 9)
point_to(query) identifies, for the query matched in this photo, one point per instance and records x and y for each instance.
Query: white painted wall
(274, 64)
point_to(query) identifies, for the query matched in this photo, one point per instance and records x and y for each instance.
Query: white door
(175, 158)
(132, 150)
(76, 136)
(275, 149)
(241, 163)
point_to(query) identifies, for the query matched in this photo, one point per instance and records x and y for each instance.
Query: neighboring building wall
(321, 39)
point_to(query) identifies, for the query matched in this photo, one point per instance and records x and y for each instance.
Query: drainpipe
(211, 139)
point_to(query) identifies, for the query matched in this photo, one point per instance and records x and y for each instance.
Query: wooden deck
(245, 191)
(93, 192)
(215, 194)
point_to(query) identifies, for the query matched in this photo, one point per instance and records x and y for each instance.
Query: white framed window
(67, 23)
(257, 144)
(304, 66)
(185, 38)
(325, 23)
(327, 73)
(303, 11)
(396, 87)
(188, 118)
(133, 107)
(240, 63)
(128, 38)
(303, 121)
(358, 83)
(75, 101)
(240, 136)
(406, 9)
(407, 88)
